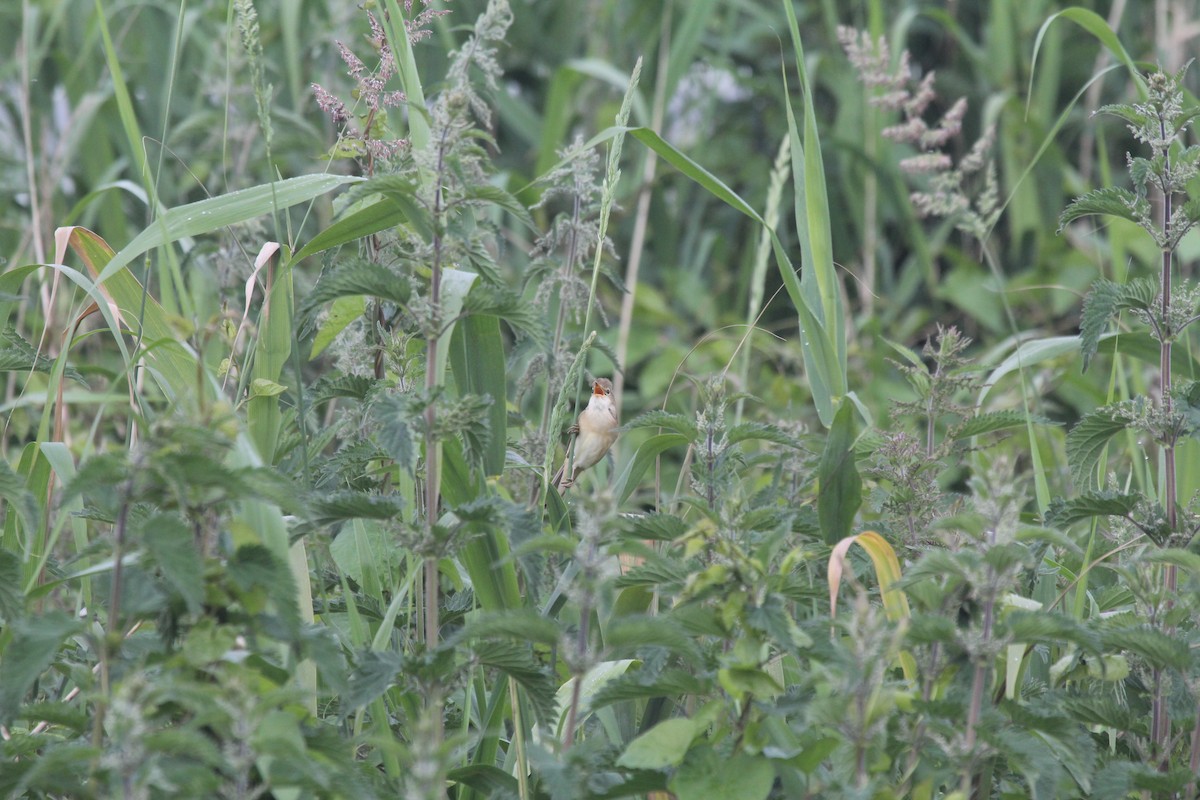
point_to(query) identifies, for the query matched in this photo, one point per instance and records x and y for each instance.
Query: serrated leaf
(170, 542)
(498, 197)
(356, 277)
(659, 527)
(509, 306)
(679, 423)
(520, 624)
(12, 599)
(633, 685)
(1037, 627)
(345, 505)
(1111, 201)
(31, 650)
(624, 636)
(1103, 302)
(18, 355)
(763, 432)
(516, 661)
(399, 418)
(1153, 645)
(993, 421)
(372, 674)
(352, 387)
(1064, 513)
(1087, 440)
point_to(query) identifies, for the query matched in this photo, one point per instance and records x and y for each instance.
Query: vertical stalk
(979, 679)
(1160, 723)
(432, 445)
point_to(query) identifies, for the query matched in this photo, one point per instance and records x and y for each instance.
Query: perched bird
(595, 433)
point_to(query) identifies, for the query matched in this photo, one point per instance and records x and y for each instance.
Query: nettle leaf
(626, 635)
(1125, 111)
(350, 387)
(993, 421)
(662, 574)
(1064, 513)
(1103, 302)
(402, 192)
(400, 423)
(678, 423)
(762, 431)
(31, 650)
(498, 197)
(634, 684)
(1119, 779)
(466, 418)
(1038, 627)
(1111, 201)
(356, 276)
(517, 313)
(1143, 169)
(20, 500)
(1153, 645)
(1087, 440)
(659, 527)
(170, 542)
(18, 355)
(517, 662)
(374, 672)
(12, 599)
(524, 625)
(345, 505)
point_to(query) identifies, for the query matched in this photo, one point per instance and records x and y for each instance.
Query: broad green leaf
(170, 541)
(840, 493)
(742, 681)
(363, 221)
(215, 213)
(173, 361)
(477, 361)
(29, 652)
(647, 452)
(365, 551)
(1087, 440)
(705, 775)
(662, 746)
(342, 312)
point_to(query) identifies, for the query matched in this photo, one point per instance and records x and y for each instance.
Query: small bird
(595, 433)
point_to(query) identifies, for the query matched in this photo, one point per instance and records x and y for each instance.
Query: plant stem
(432, 446)
(1160, 723)
(975, 711)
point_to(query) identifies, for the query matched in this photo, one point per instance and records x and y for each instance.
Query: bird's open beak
(597, 389)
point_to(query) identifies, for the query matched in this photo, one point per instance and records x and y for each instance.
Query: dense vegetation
(301, 299)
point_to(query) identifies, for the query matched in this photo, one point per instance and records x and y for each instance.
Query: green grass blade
(214, 213)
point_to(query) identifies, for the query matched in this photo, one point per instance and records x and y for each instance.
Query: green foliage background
(282, 400)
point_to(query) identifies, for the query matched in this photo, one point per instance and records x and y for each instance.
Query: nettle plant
(1161, 202)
